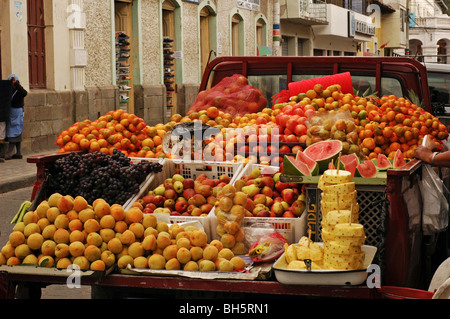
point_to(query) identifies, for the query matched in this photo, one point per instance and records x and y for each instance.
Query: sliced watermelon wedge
(291, 166)
(399, 159)
(349, 163)
(323, 152)
(383, 163)
(312, 164)
(366, 169)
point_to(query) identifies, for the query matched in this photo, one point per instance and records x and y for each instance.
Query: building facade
(429, 31)
(80, 59)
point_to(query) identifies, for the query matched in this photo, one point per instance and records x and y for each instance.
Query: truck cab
(370, 75)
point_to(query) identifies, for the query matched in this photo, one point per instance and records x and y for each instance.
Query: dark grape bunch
(97, 175)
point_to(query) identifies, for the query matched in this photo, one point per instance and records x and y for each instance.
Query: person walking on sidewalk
(14, 126)
(5, 106)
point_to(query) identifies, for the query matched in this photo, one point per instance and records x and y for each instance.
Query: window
(269, 85)
(237, 33)
(207, 35)
(36, 44)
(261, 32)
(439, 84)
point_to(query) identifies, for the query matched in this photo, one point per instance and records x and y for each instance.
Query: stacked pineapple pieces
(342, 234)
(296, 255)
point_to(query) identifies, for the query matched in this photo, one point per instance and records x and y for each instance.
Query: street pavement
(16, 180)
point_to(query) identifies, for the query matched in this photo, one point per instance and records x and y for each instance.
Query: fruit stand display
(321, 167)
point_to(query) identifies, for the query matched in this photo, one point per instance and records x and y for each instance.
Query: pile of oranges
(398, 124)
(384, 125)
(116, 129)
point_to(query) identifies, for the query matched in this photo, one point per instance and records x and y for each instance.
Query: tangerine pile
(116, 129)
(399, 124)
(383, 125)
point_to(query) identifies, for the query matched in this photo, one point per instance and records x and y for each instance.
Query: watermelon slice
(366, 169)
(292, 166)
(349, 163)
(323, 152)
(399, 160)
(312, 164)
(383, 163)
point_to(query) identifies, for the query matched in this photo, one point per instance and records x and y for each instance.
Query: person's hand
(423, 153)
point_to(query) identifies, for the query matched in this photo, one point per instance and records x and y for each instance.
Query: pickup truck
(406, 257)
(404, 253)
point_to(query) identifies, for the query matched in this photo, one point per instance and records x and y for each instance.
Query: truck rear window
(439, 84)
(270, 85)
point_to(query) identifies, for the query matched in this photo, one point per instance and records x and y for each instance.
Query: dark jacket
(5, 99)
(18, 95)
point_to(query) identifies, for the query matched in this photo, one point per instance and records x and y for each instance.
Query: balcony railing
(306, 12)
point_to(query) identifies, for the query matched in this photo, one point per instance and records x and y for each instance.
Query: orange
(390, 115)
(373, 155)
(369, 143)
(103, 143)
(404, 147)
(311, 94)
(387, 132)
(94, 146)
(399, 117)
(157, 140)
(379, 140)
(408, 135)
(394, 146)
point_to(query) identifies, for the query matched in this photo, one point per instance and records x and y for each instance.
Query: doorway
(124, 62)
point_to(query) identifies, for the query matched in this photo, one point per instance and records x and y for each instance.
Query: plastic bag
(435, 203)
(233, 95)
(268, 247)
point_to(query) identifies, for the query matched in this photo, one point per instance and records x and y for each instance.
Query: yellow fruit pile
(64, 230)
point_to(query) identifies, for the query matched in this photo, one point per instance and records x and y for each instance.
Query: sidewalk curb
(25, 181)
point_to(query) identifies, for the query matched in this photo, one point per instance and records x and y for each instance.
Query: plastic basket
(292, 229)
(187, 170)
(391, 292)
(250, 166)
(191, 169)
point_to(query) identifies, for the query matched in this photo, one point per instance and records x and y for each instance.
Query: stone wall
(47, 113)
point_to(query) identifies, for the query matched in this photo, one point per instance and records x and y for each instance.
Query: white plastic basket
(187, 170)
(191, 169)
(250, 166)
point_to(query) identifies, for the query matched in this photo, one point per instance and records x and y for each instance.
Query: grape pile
(97, 175)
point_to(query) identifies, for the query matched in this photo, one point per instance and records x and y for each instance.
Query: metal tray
(323, 276)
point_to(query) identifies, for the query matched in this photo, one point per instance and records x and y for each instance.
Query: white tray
(323, 276)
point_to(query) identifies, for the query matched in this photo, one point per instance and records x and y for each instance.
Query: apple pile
(270, 197)
(179, 196)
